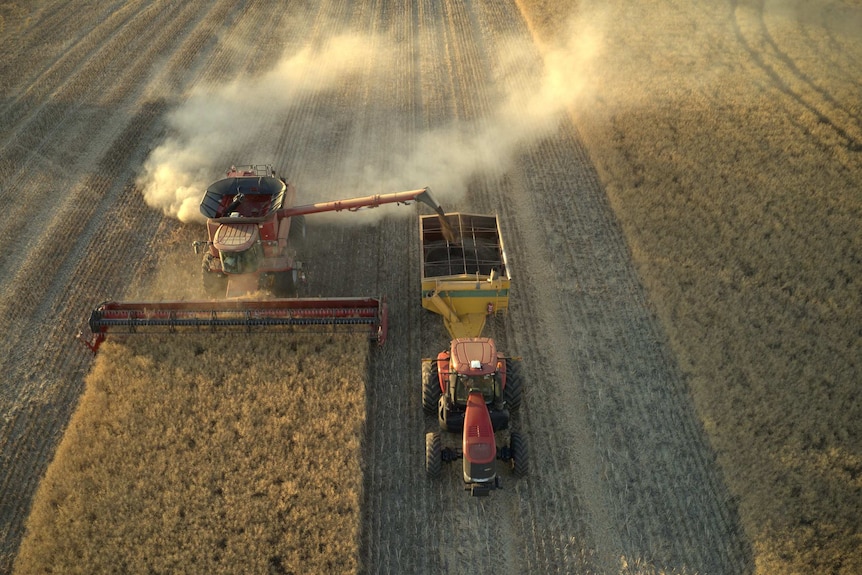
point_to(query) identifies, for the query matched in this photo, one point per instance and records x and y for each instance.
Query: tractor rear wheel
(433, 455)
(520, 454)
(430, 387)
(512, 391)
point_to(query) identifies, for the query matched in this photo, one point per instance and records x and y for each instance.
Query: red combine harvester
(471, 387)
(254, 232)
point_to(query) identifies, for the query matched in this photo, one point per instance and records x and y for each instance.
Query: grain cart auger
(254, 231)
(472, 387)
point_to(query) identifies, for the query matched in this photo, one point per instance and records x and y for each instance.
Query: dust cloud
(527, 96)
(216, 123)
(531, 94)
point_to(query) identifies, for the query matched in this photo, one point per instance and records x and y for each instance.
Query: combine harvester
(254, 232)
(472, 387)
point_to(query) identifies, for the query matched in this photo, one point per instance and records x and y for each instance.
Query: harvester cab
(472, 387)
(255, 234)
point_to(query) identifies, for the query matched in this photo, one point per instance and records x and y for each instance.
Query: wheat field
(196, 454)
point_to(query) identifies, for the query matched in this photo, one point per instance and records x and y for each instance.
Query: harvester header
(321, 314)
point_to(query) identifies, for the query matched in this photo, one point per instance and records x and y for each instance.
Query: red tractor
(471, 387)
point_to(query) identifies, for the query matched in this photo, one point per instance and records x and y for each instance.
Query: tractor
(471, 387)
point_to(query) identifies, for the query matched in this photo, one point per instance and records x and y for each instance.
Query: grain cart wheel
(512, 391)
(520, 454)
(433, 457)
(430, 387)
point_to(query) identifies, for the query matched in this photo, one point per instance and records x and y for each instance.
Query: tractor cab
(465, 385)
(470, 370)
(474, 368)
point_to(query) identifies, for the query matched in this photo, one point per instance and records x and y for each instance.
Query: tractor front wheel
(430, 387)
(520, 454)
(512, 392)
(433, 455)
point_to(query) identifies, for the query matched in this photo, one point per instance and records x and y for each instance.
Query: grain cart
(254, 231)
(472, 387)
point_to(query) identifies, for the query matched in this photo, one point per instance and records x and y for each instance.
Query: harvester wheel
(296, 234)
(520, 454)
(433, 454)
(512, 391)
(283, 284)
(430, 387)
(213, 282)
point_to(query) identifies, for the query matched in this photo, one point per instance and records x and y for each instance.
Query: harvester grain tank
(472, 386)
(254, 235)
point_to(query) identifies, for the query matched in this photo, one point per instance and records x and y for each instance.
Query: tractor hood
(235, 237)
(474, 356)
(478, 444)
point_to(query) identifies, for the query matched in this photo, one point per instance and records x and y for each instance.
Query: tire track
(655, 456)
(97, 95)
(563, 541)
(562, 499)
(754, 36)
